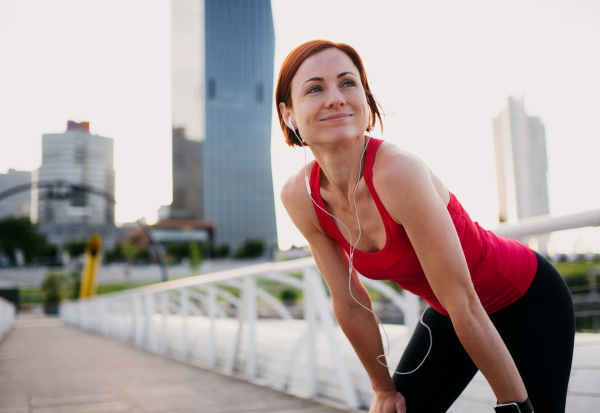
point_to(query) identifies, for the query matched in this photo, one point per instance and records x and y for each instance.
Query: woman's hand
(388, 402)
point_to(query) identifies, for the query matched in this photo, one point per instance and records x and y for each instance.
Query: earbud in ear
(290, 123)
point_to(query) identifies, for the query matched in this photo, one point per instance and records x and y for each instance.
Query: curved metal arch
(202, 297)
(224, 294)
(388, 292)
(57, 184)
(284, 279)
(269, 299)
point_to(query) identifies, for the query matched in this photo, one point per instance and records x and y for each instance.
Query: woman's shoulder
(393, 164)
(294, 189)
(298, 203)
(399, 175)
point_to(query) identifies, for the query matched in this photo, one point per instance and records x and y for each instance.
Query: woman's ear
(286, 114)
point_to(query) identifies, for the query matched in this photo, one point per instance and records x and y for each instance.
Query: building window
(79, 155)
(212, 88)
(78, 198)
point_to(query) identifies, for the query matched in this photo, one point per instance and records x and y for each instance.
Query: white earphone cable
(353, 248)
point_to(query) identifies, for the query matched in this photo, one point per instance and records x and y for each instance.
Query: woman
(495, 305)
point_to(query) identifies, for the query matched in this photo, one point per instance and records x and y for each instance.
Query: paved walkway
(46, 367)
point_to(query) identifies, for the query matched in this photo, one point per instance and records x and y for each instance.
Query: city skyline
(445, 81)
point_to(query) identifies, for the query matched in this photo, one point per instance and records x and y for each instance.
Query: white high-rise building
(521, 165)
(78, 157)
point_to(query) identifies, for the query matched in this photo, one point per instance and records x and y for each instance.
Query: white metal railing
(7, 316)
(545, 223)
(214, 320)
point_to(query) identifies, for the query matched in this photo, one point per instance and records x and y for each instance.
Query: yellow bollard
(93, 257)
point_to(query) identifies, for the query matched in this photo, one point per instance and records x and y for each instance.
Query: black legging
(538, 330)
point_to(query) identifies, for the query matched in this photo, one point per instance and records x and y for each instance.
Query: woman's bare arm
(405, 187)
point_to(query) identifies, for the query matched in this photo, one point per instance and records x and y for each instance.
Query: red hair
(290, 66)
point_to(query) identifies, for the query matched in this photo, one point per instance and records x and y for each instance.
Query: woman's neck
(340, 165)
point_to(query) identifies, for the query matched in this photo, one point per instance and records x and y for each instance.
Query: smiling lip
(336, 117)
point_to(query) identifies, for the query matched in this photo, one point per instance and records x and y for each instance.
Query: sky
(441, 70)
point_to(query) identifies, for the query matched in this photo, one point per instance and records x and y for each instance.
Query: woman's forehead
(328, 63)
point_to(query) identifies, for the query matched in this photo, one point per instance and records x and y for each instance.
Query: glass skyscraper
(235, 76)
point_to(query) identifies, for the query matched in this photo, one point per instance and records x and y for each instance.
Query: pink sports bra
(501, 268)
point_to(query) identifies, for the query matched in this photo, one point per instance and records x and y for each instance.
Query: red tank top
(501, 268)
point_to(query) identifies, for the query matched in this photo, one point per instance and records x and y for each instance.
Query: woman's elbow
(463, 306)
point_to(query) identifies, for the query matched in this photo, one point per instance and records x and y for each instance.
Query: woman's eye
(313, 89)
(349, 83)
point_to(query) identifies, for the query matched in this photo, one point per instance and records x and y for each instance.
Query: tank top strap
(368, 176)
(315, 187)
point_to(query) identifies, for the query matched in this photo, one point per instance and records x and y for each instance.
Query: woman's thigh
(539, 332)
(445, 373)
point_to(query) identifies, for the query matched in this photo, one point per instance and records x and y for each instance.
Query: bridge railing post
(310, 318)
(212, 335)
(328, 326)
(164, 310)
(250, 304)
(150, 330)
(183, 312)
(137, 320)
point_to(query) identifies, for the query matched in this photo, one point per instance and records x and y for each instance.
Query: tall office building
(17, 205)
(223, 57)
(521, 163)
(521, 167)
(76, 156)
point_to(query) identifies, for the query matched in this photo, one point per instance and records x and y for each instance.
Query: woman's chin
(338, 135)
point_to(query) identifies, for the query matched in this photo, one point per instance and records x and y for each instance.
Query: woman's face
(329, 102)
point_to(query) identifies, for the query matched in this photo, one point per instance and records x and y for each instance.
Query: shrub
(250, 249)
(53, 287)
(289, 295)
(219, 251)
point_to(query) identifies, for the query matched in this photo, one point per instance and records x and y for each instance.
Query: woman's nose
(335, 98)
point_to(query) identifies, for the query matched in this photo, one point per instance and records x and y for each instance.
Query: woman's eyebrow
(344, 74)
(320, 79)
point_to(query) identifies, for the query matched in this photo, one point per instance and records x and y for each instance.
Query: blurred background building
(77, 157)
(17, 205)
(187, 178)
(521, 167)
(223, 57)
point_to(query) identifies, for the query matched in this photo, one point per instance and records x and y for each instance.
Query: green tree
(75, 248)
(195, 257)
(250, 249)
(21, 233)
